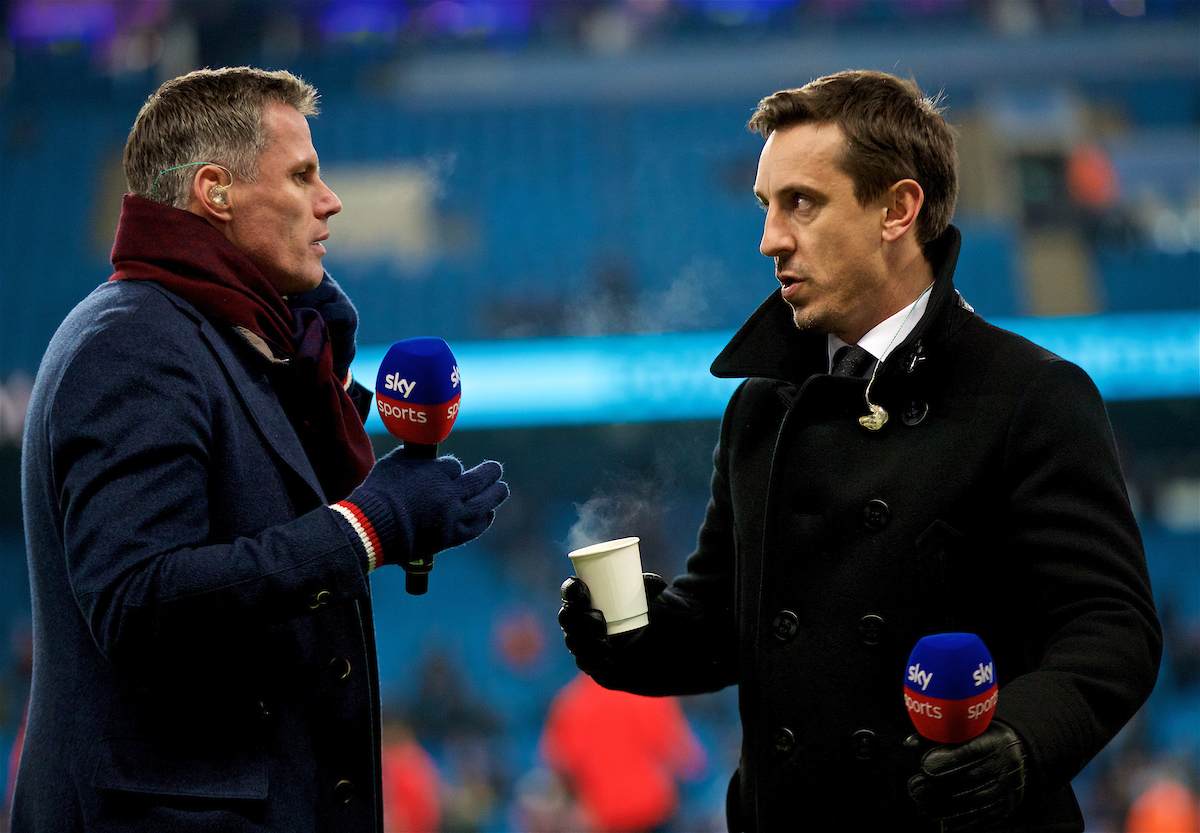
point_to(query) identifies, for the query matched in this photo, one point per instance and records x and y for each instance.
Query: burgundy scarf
(181, 252)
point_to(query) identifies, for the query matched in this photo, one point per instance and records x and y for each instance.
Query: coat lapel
(245, 367)
(249, 381)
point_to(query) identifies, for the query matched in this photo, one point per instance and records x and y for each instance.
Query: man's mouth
(789, 285)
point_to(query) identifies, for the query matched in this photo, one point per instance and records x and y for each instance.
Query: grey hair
(207, 116)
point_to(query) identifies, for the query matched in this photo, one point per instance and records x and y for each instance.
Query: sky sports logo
(984, 674)
(403, 413)
(405, 387)
(921, 678)
(951, 719)
(935, 709)
(417, 422)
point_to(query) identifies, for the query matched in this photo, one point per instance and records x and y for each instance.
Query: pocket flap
(171, 767)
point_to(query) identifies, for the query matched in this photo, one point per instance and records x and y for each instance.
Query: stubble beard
(803, 316)
(808, 320)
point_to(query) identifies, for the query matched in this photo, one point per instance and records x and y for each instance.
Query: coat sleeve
(134, 438)
(1089, 592)
(690, 645)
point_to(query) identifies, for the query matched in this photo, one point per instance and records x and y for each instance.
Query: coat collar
(769, 346)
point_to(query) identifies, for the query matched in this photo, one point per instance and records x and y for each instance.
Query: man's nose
(776, 238)
(328, 204)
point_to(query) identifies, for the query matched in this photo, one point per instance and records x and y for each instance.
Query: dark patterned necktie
(851, 360)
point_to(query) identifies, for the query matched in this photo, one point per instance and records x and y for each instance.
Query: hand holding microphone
(408, 509)
(414, 504)
(973, 785)
(978, 777)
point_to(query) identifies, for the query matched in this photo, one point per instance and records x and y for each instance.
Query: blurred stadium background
(561, 190)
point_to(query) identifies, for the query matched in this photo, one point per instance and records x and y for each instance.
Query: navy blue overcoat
(204, 650)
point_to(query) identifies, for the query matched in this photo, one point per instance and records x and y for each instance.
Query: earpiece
(216, 193)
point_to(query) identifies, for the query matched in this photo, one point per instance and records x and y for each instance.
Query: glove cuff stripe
(366, 532)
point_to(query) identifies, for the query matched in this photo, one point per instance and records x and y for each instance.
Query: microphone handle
(416, 569)
(420, 451)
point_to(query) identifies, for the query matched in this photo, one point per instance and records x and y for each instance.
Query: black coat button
(784, 625)
(870, 629)
(876, 514)
(339, 668)
(915, 413)
(784, 742)
(343, 791)
(865, 743)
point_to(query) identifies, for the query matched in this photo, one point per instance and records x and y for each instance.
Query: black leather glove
(971, 785)
(584, 628)
(409, 509)
(340, 317)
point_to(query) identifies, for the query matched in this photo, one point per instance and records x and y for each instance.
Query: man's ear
(903, 202)
(210, 196)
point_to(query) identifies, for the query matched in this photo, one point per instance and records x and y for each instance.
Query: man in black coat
(954, 477)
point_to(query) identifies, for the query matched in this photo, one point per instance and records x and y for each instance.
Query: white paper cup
(612, 570)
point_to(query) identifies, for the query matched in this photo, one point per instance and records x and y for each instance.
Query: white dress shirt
(881, 339)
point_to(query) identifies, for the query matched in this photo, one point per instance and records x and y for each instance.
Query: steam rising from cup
(604, 518)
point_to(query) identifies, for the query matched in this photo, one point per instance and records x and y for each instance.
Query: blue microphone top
(419, 371)
(950, 666)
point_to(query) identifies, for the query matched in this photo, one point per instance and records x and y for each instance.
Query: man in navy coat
(201, 501)
(954, 477)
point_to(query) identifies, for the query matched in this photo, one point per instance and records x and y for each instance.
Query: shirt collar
(884, 336)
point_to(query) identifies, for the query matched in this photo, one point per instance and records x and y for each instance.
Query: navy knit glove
(407, 510)
(340, 317)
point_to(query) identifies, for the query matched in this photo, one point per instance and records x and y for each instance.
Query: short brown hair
(893, 131)
(210, 115)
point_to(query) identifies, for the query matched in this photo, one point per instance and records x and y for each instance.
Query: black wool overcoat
(992, 501)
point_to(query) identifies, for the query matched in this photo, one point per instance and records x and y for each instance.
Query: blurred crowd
(487, 727)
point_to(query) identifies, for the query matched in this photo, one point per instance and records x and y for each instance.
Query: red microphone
(950, 687)
(417, 392)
